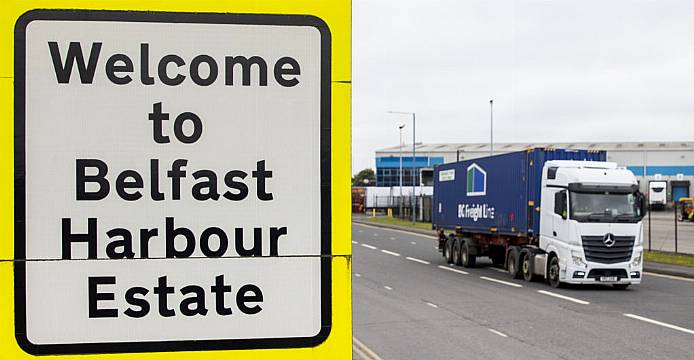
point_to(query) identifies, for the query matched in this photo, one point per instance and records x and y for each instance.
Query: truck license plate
(608, 278)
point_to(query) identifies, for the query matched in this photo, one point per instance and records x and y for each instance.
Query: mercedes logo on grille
(608, 240)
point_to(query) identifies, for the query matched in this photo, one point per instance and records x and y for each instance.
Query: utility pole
(414, 174)
(414, 159)
(491, 127)
(400, 146)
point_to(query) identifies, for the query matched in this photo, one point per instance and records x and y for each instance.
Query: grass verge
(668, 258)
(400, 222)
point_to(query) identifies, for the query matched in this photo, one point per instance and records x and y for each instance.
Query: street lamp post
(491, 127)
(414, 159)
(400, 182)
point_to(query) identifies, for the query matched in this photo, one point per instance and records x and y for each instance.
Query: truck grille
(596, 250)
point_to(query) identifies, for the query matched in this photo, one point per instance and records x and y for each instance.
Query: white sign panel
(447, 175)
(176, 171)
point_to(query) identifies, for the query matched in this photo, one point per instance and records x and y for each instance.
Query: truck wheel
(526, 269)
(466, 259)
(553, 273)
(456, 252)
(620, 286)
(513, 264)
(448, 250)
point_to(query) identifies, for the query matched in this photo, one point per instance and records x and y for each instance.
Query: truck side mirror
(560, 204)
(642, 203)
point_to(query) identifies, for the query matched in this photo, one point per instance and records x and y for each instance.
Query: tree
(365, 177)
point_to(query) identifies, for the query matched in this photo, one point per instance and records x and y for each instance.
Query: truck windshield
(604, 207)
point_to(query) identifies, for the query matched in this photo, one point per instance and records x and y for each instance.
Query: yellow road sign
(178, 173)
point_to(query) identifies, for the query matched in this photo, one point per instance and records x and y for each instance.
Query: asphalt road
(410, 304)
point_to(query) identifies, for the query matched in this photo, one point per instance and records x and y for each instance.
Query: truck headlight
(637, 259)
(578, 259)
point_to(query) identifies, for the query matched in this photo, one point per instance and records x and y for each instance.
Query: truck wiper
(625, 217)
(596, 217)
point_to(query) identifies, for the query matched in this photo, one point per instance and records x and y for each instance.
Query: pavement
(665, 269)
(410, 304)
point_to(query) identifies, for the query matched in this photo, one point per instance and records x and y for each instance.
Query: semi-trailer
(657, 194)
(567, 216)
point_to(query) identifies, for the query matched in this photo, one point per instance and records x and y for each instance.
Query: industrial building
(669, 161)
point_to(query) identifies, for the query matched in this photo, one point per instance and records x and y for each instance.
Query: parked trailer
(657, 194)
(567, 216)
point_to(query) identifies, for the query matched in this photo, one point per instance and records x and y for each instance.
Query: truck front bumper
(621, 273)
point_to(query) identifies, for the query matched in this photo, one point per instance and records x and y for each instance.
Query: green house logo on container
(476, 181)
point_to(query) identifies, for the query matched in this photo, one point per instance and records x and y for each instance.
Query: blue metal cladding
(504, 193)
(421, 161)
(686, 170)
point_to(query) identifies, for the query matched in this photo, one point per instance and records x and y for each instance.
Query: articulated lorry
(567, 216)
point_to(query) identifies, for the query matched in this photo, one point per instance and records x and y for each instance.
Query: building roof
(509, 147)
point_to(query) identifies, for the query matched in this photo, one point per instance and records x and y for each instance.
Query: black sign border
(20, 188)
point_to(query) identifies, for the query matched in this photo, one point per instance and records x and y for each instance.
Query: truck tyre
(526, 267)
(620, 286)
(466, 259)
(456, 252)
(553, 272)
(448, 249)
(513, 264)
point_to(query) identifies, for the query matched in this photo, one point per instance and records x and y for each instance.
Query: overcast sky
(564, 71)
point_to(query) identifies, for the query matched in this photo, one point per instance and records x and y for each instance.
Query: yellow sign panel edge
(337, 15)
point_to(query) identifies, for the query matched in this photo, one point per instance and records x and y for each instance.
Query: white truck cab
(590, 224)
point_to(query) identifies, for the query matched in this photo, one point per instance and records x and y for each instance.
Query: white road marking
(360, 230)
(498, 333)
(375, 234)
(363, 350)
(501, 281)
(499, 270)
(388, 287)
(390, 252)
(564, 297)
(369, 246)
(392, 238)
(453, 270)
(432, 305)
(361, 354)
(418, 260)
(357, 274)
(399, 231)
(413, 243)
(355, 242)
(668, 276)
(656, 322)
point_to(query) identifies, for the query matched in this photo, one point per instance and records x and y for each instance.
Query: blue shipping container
(499, 193)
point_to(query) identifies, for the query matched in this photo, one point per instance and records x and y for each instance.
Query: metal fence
(401, 207)
(670, 229)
